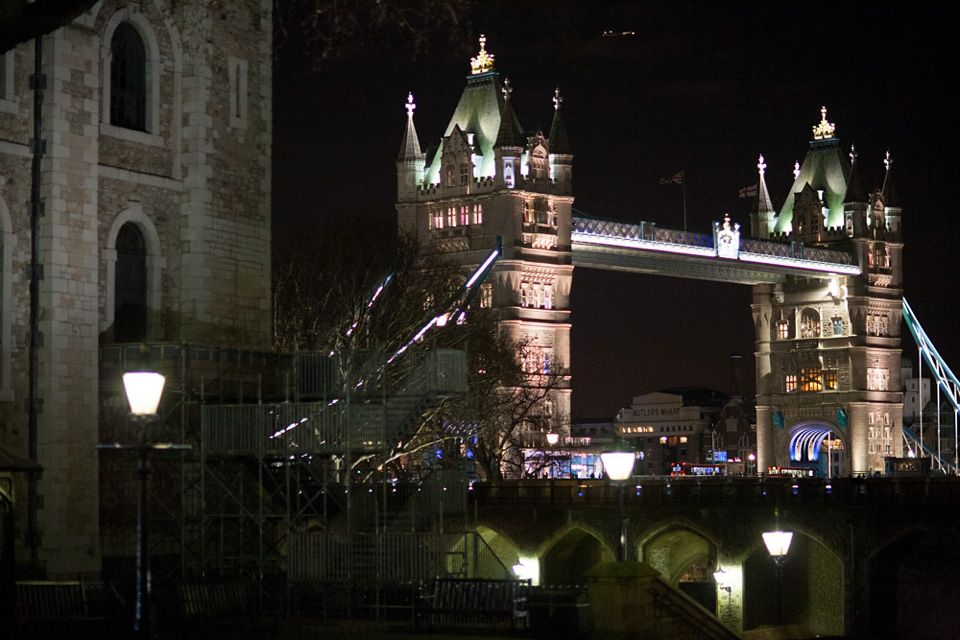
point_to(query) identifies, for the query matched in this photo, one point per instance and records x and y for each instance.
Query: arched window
(128, 79)
(130, 294)
(809, 324)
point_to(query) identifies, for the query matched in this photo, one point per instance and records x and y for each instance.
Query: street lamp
(618, 465)
(778, 544)
(143, 389)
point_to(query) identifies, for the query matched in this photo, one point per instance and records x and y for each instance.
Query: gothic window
(810, 379)
(478, 214)
(809, 324)
(880, 257)
(438, 219)
(128, 79)
(838, 326)
(464, 215)
(538, 162)
(790, 383)
(130, 293)
(877, 379)
(783, 330)
(548, 296)
(451, 216)
(450, 176)
(541, 211)
(524, 294)
(486, 296)
(527, 208)
(464, 174)
(830, 380)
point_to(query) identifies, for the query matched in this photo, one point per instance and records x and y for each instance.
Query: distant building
(670, 427)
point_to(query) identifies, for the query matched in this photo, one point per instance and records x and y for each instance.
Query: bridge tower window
(128, 79)
(809, 324)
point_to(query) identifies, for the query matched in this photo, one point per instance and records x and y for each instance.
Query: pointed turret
(410, 161)
(891, 197)
(509, 143)
(762, 215)
(855, 202)
(561, 158)
(827, 172)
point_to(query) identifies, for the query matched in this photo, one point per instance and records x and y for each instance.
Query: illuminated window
(809, 324)
(486, 296)
(478, 214)
(830, 380)
(438, 219)
(790, 383)
(783, 330)
(548, 297)
(538, 162)
(464, 215)
(810, 379)
(838, 326)
(451, 216)
(683, 439)
(524, 287)
(541, 211)
(527, 212)
(663, 439)
(450, 176)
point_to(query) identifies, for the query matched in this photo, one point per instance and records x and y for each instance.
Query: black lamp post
(618, 465)
(778, 544)
(143, 391)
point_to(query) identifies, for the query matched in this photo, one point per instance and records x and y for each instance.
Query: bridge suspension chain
(946, 382)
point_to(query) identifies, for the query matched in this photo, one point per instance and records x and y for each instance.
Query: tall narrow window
(128, 81)
(237, 94)
(130, 297)
(478, 214)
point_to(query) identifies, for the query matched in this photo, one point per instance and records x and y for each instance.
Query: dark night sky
(701, 88)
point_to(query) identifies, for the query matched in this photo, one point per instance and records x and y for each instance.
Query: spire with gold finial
(824, 130)
(484, 61)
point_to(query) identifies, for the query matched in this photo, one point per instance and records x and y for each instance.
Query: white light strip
(629, 243)
(476, 274)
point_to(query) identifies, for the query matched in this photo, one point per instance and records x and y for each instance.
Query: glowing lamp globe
(143, 389)
(777, 542)
(553, 438)
(618, 464)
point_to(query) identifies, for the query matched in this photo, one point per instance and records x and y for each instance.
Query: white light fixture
(778, 542)
(553, 438)
(720, 576)
(618, 465)
(143, 389)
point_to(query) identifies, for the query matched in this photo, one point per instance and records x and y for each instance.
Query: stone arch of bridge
(686, 557)
(572, 550)
(812, 577)
(496, 548)
(808, 442)
(911, 584)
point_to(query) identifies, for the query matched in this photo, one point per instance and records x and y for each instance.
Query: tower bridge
(825, 268)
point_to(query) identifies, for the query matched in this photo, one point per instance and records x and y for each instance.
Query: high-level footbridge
(721, 255)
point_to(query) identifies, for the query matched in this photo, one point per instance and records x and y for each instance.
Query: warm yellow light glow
(618, 465)
(484, 61)
(143, 389)
(824, 130)
(777, 542)
(528, 568)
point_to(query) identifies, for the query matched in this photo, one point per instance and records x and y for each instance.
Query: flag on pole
(749, 192)
(676, 178)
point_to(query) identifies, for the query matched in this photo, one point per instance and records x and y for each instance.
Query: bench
(45, 607)
(207, 605)
(474, 603)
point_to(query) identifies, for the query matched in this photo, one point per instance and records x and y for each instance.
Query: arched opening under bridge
(817, 446)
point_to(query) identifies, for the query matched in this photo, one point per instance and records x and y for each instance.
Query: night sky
(702, 88)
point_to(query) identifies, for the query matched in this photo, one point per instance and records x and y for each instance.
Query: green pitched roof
(827, 169)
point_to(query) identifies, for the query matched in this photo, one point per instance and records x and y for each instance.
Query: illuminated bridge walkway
(720, 255)
(875, 557)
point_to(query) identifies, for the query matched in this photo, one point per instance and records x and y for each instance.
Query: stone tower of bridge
(489, 178)
(154, 194)
(828, 352)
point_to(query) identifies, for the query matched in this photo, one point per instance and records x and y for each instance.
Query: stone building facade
(828, 352)
(155, 190)
(489, 179)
